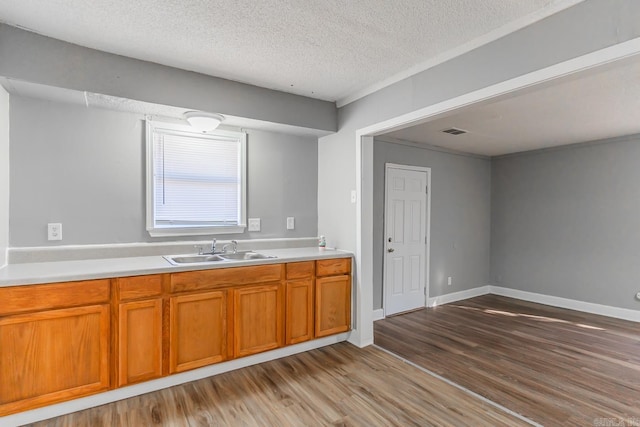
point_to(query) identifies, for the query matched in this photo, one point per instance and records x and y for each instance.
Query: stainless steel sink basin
(245, 255)
(193, 259)
(214, 258)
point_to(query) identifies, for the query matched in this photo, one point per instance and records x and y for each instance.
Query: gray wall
(84, 167)
(460, 216)
(4, 175)
(566, 222)
(578, 30)
(31, 57)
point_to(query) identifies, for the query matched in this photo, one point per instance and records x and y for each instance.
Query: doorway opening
(362, 334)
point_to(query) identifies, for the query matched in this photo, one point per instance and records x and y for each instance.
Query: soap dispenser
(322, 243)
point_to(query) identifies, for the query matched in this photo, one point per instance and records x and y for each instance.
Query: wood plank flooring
(339, 385)
(554, 366)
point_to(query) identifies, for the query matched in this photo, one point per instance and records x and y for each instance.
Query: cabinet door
(197, 330)
(258, 319)
(333, 305)
(51, 356)
(299, 306)
(139, 341)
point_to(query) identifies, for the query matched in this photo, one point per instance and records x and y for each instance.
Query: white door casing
(405, 238)
(362, 333)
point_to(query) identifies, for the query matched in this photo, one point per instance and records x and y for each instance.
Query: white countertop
(63, 271)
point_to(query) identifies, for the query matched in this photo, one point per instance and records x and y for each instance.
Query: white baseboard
(378, 314)
(587, 307)
(64, 408)
(571, 304)
(457, 296)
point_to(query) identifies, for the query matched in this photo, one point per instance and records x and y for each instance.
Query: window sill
(195, 231)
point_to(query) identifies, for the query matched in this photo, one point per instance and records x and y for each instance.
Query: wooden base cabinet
(139, 341)
(53, 355)
(299, 319)
(62, 341)
(333, 297)
(299, 302)
(197, 330)
(258, 319)
(138, 328)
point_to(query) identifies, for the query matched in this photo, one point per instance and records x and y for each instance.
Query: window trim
(155, 231)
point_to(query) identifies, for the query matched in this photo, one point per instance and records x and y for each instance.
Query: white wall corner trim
(571, 304)
(378, 314)
(362, 333)
(458, 296)
(161, 383)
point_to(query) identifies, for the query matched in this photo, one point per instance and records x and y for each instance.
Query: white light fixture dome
(203, 121)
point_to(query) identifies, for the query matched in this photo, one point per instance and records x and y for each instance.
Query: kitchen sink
(193, 259)
(213, 258)
(245, 255)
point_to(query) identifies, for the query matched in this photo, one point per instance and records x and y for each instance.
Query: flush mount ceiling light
(203, 121)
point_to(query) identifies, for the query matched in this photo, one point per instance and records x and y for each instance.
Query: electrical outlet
(449, 281)
(354, 196)
(254, 224)
(54, 231)
(291, 223)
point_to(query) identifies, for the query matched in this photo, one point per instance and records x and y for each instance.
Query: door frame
(362, 333)
(427, 232)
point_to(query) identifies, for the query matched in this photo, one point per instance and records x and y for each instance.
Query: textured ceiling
(592, 105)
(326, 49)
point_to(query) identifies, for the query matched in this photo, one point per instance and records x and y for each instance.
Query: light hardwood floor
(339, 385)
(554, 366)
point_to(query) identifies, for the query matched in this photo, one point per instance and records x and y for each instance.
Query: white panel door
(405, 239)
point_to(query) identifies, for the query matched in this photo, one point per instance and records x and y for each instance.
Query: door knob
(390, 250)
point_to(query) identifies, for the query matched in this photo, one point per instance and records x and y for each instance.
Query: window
(196, 182)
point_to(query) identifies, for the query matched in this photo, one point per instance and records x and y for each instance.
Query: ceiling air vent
(454, 131)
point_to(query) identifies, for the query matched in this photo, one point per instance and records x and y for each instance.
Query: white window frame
(164, 231)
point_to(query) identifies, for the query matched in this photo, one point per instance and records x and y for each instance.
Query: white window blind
(197, 181)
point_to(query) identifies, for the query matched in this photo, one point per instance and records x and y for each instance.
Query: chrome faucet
(234, 245)
(211, 252)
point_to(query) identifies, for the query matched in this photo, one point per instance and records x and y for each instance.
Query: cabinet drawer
(300, 270)
(332, 267)
(139, 287)
(222, 277)
(21, 299)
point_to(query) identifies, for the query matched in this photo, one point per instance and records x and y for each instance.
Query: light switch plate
(54, 231)
(354, 196)
(254, 224)
(291, 223)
